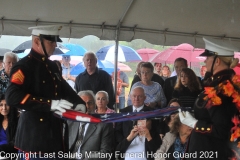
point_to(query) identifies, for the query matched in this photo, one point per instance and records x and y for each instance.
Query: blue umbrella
(104, 65)
(125, 54)
(74, 49)
(21, 55)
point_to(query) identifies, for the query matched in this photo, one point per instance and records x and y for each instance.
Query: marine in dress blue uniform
(37, 87)
(211, 129)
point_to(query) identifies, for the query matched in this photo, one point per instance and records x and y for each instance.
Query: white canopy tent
(162, 22)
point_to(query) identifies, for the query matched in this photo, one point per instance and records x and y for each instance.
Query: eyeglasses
(66, 57)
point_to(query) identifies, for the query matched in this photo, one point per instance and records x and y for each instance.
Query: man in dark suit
(123, 130)
(170, 82)
(97, 138)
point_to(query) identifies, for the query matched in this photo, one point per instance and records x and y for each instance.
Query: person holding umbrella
(66, 69)
(215, 107)
(37, 87)
(66, 66)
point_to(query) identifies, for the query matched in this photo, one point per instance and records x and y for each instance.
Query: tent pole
(118, 27)
(116, 66)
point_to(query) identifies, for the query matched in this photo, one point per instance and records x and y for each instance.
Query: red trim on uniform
(25, 99)
(18, 77)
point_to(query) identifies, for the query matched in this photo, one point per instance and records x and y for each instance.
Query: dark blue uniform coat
(34, 82)
(211, 136)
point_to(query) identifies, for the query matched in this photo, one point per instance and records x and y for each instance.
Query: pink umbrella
(237, 55)
(237, 68)
(184, 50)
(147, 53)
(123, 67)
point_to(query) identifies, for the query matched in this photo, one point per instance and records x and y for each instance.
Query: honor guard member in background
(212, 124)
(37, 87)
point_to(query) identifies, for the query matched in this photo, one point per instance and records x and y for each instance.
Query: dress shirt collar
(138, 108)
(96, 71)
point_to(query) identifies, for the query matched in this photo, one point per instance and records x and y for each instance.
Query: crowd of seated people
(122, 138)
(40, 91)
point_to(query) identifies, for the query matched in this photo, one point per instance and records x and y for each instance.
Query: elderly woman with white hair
(102, 100)
(9, 60)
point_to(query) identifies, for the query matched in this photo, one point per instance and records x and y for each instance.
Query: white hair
(11, 55)
(89, 53)
(104, 92)
(87, 93)
(137, 87)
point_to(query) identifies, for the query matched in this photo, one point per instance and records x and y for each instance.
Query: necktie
(134, 122)
(80, 137)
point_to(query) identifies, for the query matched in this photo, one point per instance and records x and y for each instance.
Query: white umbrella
(125, 54)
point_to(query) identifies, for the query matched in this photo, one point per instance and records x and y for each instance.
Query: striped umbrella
(125, 54)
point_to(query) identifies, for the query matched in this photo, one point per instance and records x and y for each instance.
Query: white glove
(187, 119)
(80, 108)
(60, 105)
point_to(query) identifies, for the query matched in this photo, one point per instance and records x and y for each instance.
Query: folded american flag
(114, 117)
